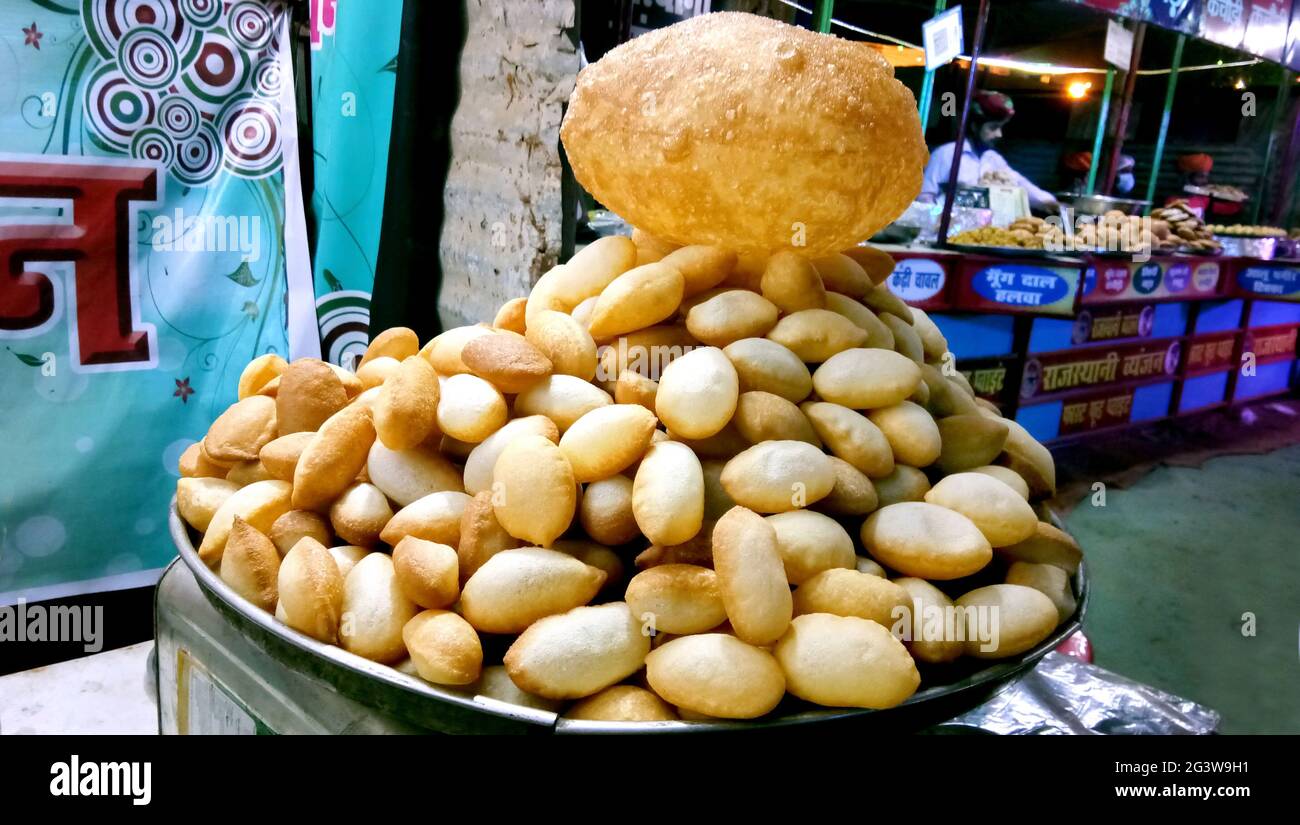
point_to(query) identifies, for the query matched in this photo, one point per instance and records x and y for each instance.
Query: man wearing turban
(1077, 165)
(1208, 203)
(989, 113)
(1196, 168)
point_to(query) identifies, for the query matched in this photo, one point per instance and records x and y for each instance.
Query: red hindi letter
(98, 242)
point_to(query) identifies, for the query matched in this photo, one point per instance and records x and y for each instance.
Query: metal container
(270, 663)
(1240, 246)
(1101, 204)
(896, 233)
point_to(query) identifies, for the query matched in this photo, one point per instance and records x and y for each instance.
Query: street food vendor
(981, 165)
(1196, 168)
(1079, 164)
(1206, 199)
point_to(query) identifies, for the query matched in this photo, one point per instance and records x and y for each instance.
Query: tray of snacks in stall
(1247, 231)
(1030, 237)
(1176, 224)
(1219, 191)
(1245, 241)
(1114, 234)
(696, 480)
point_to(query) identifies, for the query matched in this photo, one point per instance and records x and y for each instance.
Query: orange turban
(1202, 163)
(1078, 161)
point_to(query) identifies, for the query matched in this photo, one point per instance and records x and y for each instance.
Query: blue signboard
(1147, 278)
(1276, 281)
(1179, 15)
(1291, 57)
(1021, 285)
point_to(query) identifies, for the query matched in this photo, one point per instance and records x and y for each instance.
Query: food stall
(1106, 328)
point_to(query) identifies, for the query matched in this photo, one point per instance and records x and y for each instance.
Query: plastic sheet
(1064, 695)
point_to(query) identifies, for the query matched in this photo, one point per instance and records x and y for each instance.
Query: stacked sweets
(693, 470)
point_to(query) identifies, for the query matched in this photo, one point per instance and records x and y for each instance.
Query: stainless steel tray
(1101, 204)
(945, 692)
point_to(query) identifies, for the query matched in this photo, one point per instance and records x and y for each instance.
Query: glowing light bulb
(1078, 90)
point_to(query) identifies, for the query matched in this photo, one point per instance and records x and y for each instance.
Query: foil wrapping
(1065, 695)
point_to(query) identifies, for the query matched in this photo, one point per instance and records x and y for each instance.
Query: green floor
(1177, 559)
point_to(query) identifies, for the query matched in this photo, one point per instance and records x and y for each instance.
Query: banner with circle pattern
(152, 242)
(354, 70)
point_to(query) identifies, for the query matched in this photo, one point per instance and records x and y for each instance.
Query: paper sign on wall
(943, 38)
(1119, 45)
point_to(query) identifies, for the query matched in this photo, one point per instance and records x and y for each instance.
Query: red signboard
(993, 379)
(1096, 411)
(1224, 21)
(103, 196)
(1161, 277)
(1109, 6)
(1103, 324)
(1057, 372)
(1266, 28)
(1271, 344)
(1209, 353)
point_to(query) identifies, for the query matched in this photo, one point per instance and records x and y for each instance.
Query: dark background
(1206, 115)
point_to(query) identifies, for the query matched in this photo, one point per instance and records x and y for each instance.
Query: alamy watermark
(180, 232)
(77, 778)
(947, 623)
(648, 361)
(53, 623)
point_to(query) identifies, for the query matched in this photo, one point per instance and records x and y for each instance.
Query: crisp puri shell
(733, 130)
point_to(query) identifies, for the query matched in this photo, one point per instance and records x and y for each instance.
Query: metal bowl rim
(991, 676)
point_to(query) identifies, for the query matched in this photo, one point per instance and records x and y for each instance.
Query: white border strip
(304, 333)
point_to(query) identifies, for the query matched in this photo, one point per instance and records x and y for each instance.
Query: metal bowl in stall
(896, 233)
(945, 692)
(1101, 204)
(1242, 246)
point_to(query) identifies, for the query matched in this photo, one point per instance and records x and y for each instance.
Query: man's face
(991, 132)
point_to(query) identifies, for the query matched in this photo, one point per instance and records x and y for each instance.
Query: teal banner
(353, 70)
(152, 242)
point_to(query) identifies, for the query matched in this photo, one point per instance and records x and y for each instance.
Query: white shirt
(971, 170)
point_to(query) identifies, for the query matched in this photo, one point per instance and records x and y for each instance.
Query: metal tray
(946, 691)
(1019, 252)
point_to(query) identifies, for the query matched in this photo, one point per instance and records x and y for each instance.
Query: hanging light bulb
(1078, 89)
